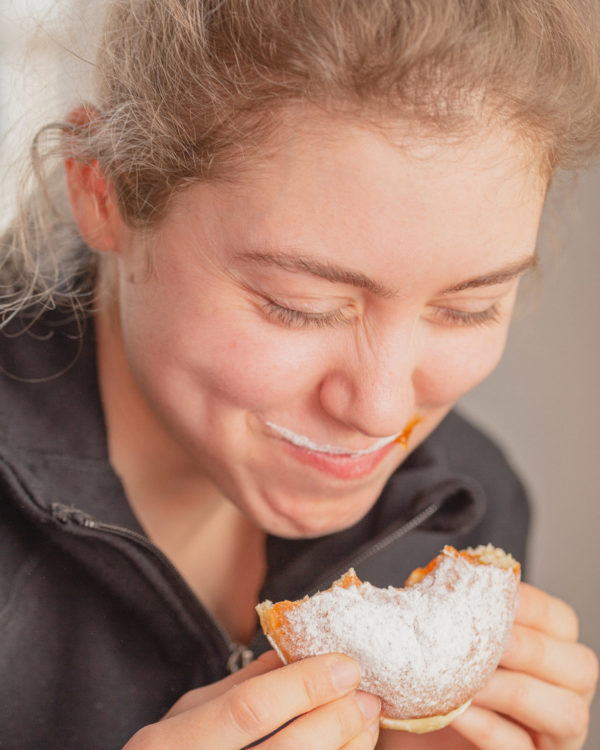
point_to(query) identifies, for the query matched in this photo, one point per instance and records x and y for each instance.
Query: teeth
(304, 442)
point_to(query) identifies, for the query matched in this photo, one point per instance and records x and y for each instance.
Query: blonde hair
(186, 88)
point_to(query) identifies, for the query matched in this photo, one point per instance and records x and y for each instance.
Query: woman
(295, 235)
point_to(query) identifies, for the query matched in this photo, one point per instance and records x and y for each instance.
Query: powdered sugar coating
(425, 650)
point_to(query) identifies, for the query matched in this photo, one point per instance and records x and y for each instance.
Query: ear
(92, 198)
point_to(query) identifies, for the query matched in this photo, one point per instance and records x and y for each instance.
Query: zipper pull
(65, 514)
(240, 657)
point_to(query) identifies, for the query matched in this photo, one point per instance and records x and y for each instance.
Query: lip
(302, 441)
(340, 466)
(346, 466)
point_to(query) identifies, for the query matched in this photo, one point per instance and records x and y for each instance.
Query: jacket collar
(52, 419)
(422, 493)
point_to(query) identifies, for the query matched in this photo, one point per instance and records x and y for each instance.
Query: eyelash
(469, 319)
(300, 319)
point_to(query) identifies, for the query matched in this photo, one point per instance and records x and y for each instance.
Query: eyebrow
(500, 276)
(305, 264)
(301, 263)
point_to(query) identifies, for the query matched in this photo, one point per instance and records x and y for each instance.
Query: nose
(370, 386)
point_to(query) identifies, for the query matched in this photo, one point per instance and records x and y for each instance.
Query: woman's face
(285, 327)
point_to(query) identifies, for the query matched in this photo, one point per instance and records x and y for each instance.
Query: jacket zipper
(239, 654)
(416, 521)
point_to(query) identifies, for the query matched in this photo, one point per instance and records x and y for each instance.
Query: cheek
(214, 355)
(445, 373)
(256, 368)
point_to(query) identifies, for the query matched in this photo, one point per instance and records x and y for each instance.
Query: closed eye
(291, 318)
(448, 315)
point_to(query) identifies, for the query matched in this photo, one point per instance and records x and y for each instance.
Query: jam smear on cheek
(402, 439)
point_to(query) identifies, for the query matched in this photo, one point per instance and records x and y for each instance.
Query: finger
(487, 730)
(257, 707)
(265, 663)
(545, 743)
(331, 726)
(570, 665)
(537, 705)
(366, 740)
(541, 611)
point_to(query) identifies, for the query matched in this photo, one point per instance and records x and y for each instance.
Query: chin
(310, 525)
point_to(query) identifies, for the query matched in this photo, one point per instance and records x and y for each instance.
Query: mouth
(336, 461)
(301, 441)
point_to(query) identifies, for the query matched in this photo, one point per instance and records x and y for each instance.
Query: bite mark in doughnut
(426, 649)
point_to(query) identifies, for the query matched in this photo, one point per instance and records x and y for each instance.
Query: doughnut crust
(425, 649)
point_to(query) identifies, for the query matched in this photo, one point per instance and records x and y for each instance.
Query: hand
(256, 701)
(538, 698)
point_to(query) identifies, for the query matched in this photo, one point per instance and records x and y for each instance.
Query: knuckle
(349, 718)
(590, 679)
(489, 730)
(535, 648)
(245, 714)
(364, 741)
(518, 692)
(577, 719)
(517, 650)
(570, 622)
(486, 730)
(514, 646)
(317, 686)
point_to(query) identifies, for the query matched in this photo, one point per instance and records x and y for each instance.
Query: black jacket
(99, 634)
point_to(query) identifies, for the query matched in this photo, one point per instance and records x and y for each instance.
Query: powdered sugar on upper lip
(304, 442)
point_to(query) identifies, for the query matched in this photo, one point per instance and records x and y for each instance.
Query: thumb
(265, 663)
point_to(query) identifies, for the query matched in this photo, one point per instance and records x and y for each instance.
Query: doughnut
(425, 649)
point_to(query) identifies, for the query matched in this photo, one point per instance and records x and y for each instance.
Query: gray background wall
(542, 402)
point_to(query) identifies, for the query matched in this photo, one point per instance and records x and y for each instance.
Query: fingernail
(345, 674)
(369, 704)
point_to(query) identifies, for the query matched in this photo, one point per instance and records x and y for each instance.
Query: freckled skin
(211, 366)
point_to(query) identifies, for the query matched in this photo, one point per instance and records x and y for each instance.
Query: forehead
(389, 160)
(301, 131)
(349, 192)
